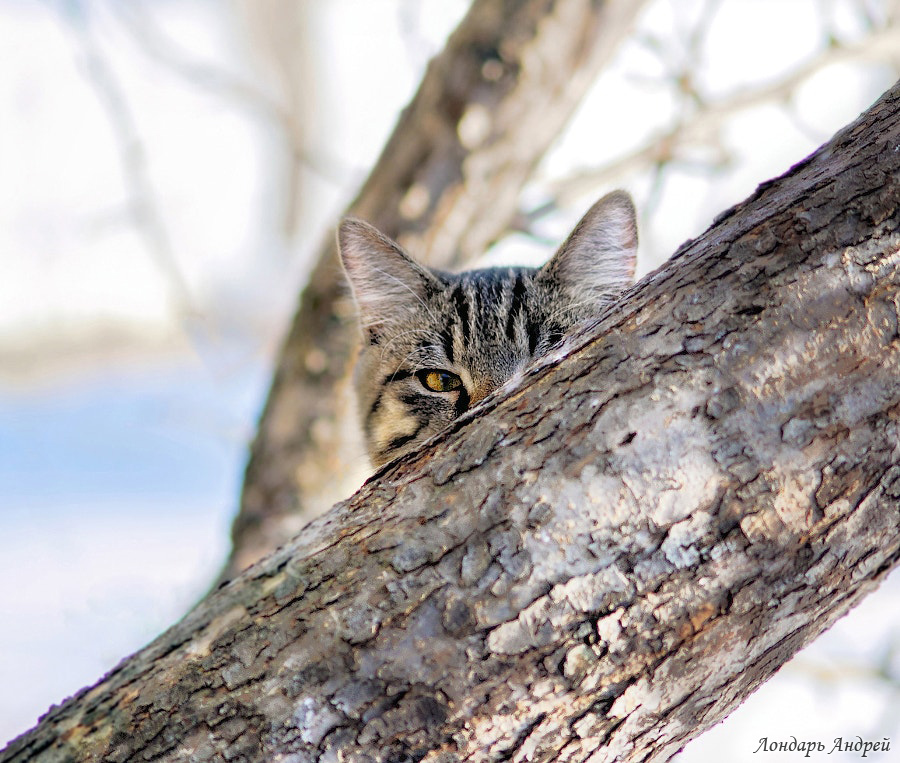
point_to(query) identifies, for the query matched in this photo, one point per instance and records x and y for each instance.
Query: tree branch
(604, 560)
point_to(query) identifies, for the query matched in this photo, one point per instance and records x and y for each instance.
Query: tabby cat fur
(434, 343)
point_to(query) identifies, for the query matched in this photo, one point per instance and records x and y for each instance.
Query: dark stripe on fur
(462, 310)
(447, 342)
(515, 307)
(399, 442)
(534, 332)
(462, 402)
(376, 404)
(398, 375)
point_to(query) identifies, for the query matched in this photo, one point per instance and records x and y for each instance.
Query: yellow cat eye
(440, 381)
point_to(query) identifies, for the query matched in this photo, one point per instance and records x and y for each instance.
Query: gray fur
(483, 326)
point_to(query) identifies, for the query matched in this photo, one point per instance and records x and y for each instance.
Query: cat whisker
(399, 366)
(408, 288)
(393, 339)
(428, 351)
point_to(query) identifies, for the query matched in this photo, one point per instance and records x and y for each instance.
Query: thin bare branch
(143, 206)
(702, 126)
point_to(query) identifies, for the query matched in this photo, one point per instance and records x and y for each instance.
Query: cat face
(434, 343)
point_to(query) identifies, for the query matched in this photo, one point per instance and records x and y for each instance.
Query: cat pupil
(417, 322)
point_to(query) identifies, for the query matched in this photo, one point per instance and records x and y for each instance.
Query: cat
(434, 344)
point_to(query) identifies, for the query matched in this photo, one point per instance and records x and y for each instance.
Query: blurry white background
(167, 169)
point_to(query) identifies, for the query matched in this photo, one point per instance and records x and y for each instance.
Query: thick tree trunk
(598, 564)
(446, 185)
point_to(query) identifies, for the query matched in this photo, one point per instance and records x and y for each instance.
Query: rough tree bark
(446, 184)
(598, 563)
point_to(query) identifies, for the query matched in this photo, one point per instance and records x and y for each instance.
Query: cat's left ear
(597, 261)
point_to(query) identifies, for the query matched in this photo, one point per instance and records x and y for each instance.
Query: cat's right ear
(387, 284)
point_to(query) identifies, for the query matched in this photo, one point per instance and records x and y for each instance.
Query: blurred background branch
(142, 207)
(702, 119)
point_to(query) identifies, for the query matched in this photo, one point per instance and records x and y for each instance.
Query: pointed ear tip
(344, 228)
(349, 226)
(355, 235)
(618, 198)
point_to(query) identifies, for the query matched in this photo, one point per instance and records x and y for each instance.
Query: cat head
(436, 343)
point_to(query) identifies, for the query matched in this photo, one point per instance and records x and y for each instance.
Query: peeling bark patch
(683, 539)
(315, 719)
